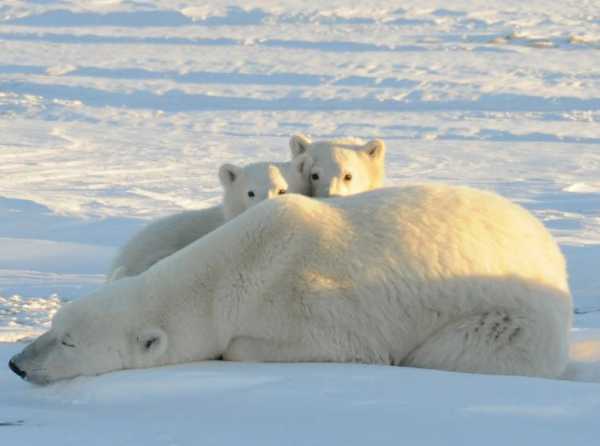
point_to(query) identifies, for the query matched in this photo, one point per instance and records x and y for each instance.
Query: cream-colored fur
(342, 166)
(165, 236)
(244, 187)
(329, 161)
(427, 276)
(161, 238)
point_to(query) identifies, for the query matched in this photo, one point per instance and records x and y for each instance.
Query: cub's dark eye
(68, 344)
(315, 176)
(251, 194)
(281, 191)
(348, 177)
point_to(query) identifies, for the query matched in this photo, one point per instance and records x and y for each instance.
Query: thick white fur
(161, 238)
(428, 276)
(344, 166)
(331, 160)
(264, 180)
(165, 236)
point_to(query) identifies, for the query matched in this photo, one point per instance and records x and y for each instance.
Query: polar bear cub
(344, 166)
(243, 187)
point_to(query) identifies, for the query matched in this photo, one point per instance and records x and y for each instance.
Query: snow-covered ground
(116, 112)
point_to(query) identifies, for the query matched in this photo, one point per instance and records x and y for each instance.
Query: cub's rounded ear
(375, 149)
(228, 174)
(302, 164)
(299, 144)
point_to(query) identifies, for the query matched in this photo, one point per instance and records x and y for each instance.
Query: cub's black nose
(16, 369)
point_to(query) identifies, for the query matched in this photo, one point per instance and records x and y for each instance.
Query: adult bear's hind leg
(494, 342)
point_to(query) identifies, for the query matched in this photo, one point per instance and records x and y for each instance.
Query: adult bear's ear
(299, 144)
(228, 173)
(375, 149)
(302, 164)
(152, 342)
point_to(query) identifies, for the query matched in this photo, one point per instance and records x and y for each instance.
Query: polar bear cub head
(342, 166)
(244, 187)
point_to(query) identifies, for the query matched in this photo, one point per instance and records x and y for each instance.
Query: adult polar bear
(428, 276)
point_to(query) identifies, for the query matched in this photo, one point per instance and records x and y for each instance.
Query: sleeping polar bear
(427, 276)
(243, 187)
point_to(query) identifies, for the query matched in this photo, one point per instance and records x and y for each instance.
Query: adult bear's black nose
(15, 368)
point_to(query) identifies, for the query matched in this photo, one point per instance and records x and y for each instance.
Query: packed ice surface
(113, 113)
(221, 403)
